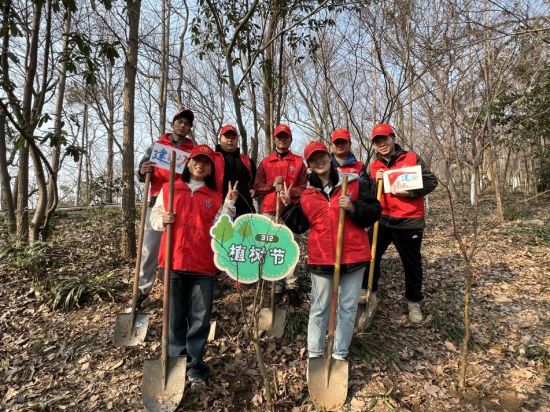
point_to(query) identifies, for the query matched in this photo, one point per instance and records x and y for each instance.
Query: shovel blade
(273, 323)
(327, 391)
(130, 333)
(212, 332)
(155, 395)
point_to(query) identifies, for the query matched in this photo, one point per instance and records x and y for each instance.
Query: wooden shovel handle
(374, 237)
(336, 277)
(140, 240)
(167, 267)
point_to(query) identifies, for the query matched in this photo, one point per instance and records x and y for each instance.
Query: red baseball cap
(202, 150)
(282, 128)
(186, 114)
(382, 129)
(313, 147)
(228, 128)
(340, 134)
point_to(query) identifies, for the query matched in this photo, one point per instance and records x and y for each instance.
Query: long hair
(209, 180)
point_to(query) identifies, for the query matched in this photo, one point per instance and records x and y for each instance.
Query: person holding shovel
(281, 167)
(181, 129)
(342, 157)
(318, 210)
(197, 204)
(402, 221)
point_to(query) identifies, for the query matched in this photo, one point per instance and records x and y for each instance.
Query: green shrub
(76, 291)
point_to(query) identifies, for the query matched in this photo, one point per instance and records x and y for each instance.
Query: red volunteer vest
(161, 176)
(354, 167)
(288, 167)
(400, 207)
(195, 213)
(322, 214)
(219, 167)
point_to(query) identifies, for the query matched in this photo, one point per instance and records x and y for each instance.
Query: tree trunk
(22, 216)
(53, 197)
(42, 202)
(6, 198)
(163, 86)
(128, 243)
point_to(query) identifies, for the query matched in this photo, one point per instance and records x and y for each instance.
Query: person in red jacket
(318, 211)
(279, 168)
(232, 166)
(342, 157)
(197, 204)
(181, 129)
(402, 221)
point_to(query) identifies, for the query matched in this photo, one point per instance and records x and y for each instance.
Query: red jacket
(322, 214)
(290, 167)
(161, 176)
(195, 213)
(354, 167)
(394, 206)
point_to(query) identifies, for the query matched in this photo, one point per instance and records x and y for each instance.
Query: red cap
(282, 128)
(185, 113)
(340, 134)
(228, 128)
(202, 150)
(313, 147)
(382, 129)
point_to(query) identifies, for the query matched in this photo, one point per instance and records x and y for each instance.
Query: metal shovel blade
(156, 397)
(212, 332)
(328, 389)
(274, 326)
(129, 332)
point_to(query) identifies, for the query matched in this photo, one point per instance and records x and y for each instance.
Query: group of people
(306, 194)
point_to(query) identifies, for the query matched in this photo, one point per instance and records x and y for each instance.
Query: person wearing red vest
(318, 211)
(197, 203)
(402, 221)
(342, 157)
(233, 166)
(181, 128)
(279, 168)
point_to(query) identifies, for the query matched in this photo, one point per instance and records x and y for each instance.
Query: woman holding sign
(196, 206)
(402, 220)
(318, 211)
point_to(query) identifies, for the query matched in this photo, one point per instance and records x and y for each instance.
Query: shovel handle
(277, 220)
(374, 237)
(140, 241)
(167, 269)
(336, 277)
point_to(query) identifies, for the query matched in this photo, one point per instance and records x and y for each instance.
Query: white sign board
(160, 155)
(406, 178)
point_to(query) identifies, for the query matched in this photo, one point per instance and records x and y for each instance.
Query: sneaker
(415, 314)
(142, 297)
(196, 384)
(338, 357)
(362, 297)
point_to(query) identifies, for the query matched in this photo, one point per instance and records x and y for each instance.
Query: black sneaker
(142, 297)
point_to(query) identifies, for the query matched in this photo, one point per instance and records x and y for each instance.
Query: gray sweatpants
(149, 256)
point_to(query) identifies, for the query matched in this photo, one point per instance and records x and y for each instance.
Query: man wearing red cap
(281, 167)
(234, 166)
(342, 157)
(181, 128)
(402, 221)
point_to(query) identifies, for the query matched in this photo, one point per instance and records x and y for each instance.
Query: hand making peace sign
(232, 192)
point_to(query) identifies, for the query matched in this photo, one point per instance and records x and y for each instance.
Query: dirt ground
(57, 360)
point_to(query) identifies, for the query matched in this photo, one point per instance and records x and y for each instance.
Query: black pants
(408, 243)
(191, 298)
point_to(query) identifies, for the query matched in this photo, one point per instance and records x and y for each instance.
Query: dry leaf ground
(54, 360)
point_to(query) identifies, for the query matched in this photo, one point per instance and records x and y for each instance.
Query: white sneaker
(415, 314)
(362, 296)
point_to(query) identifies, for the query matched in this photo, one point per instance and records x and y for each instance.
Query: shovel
(131, 328)
(273, 320)
(365, 313)
(164, 378)
(328, 377)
